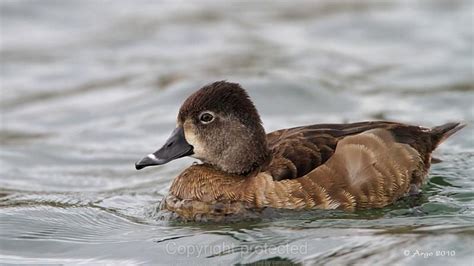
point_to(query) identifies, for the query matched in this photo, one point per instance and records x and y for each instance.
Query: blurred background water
(89, 87)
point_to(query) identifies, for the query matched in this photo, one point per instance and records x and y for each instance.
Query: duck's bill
(175, 147)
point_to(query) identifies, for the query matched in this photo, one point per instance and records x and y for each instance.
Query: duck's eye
(206, 118)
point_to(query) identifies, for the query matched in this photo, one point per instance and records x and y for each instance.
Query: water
(89, 87)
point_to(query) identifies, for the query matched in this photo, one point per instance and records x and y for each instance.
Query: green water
(89, 87)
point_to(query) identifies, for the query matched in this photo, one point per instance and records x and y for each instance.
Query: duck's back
(298, 151)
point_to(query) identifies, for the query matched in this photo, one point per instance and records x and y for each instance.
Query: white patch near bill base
(192, 139)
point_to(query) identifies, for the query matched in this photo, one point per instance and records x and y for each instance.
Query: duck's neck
(255, 164)
(244, 162)
(249, 155)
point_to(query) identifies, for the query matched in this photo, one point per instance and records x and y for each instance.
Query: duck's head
(220, 126)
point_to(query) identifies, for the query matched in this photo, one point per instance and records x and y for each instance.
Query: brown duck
(326, 166)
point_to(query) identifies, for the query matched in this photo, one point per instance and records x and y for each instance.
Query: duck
(244, 170)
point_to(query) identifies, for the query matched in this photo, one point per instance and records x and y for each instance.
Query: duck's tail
(440, 133)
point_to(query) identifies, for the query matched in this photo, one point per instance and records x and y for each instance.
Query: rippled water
(89, 87)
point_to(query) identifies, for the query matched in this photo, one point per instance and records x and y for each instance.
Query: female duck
(326, 166)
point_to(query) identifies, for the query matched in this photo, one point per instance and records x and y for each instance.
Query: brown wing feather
(298, 151)
(372, 167)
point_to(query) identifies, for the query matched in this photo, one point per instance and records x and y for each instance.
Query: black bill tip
(175, 147)
(149, 160)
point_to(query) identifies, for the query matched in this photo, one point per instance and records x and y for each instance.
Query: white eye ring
(206, 117)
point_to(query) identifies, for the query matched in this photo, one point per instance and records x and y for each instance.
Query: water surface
(89, 87)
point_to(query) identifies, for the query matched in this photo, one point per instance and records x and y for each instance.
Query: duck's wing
(367, 170)
(298, 151)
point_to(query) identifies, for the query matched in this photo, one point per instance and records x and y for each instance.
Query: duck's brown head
(219, 125)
